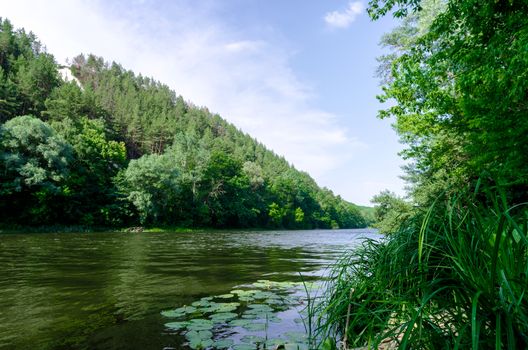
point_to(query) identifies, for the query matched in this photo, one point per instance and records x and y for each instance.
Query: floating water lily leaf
(295, 346)
(274, 319)
(244, 347)
(172, 314)
(201, 303)
(273, 343)
(258, 314)
(264, 284)
(240, 322)
(260, 305)
(201, 335)
(225, 296)
(185, 309)
(274, 302)
(253, 339)
(223, 343)
(264, 295)
(175, 326)
(293, 300)
(297, 337)
(246, 299)
(223, 317)
(200, 343)
(255, 327)
(200, 324)
(259, 308)
(243, 293)
(222, 307)
(199, 339)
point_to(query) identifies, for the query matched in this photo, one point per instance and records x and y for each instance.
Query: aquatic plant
(211, 321)
(453, 278)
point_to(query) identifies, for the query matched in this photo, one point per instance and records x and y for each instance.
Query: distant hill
(108, 147)
(367, 213)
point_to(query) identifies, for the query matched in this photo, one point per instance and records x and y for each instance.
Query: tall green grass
(454, 276)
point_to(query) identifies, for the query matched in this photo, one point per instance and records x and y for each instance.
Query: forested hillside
(112, 148)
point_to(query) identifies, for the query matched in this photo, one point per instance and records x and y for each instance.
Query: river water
(107, 290)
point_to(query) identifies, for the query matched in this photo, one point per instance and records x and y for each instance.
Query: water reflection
(105, 290)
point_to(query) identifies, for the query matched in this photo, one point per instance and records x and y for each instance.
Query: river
(120, 290)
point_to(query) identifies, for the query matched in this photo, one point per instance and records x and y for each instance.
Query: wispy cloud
(343, 19)
(247, 80)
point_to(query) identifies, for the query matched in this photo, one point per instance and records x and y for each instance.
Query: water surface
(106, 290)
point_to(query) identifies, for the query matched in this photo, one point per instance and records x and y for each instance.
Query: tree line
(457, 75)
(112, 148)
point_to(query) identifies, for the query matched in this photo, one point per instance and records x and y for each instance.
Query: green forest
(452, 272)
(110, 148)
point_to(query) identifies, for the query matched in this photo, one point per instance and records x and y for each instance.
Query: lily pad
(172, 314)
(297, 337)
(222, 307)
(225, 296)
(246, 298)
(255, 308)
(176, 326)
(295, 346)
(253, 339)
(255, 327)
(200, 324)
(223, 343)
(200, 343)
(185, 309)
(201, 303)
(242, 293)
(272, 343)
(223, 317)
(263, 295)
(202, 335)
(274, 302)
(244, 347)
(240, 322)
(274, 319)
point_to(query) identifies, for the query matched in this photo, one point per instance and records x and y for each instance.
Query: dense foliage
(110, 148)
(457, 73)
(451, 278)
(452, 272)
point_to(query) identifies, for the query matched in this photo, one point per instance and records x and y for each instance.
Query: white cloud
(344, 18)
(248, 81)
(243, 46)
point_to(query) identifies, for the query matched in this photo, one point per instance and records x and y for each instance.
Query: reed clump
(453, 276)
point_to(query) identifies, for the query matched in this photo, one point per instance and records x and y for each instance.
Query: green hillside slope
(114, 148)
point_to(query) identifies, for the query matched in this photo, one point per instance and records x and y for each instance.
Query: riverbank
(93, 229)
(18, 229)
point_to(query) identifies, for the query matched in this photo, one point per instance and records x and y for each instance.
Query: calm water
(106, 290)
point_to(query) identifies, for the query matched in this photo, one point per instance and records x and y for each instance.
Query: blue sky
(298, 75)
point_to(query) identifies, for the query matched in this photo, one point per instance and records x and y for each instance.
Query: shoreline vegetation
(452, 270)
(95, 229)
(18, 229)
